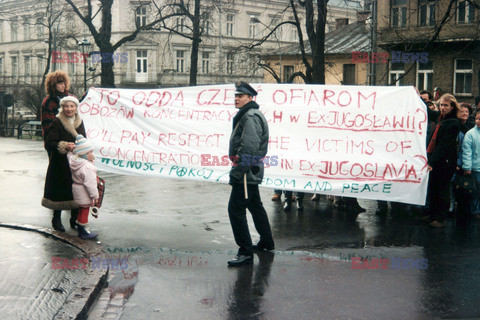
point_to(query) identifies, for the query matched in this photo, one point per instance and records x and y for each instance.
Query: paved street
(177, 239)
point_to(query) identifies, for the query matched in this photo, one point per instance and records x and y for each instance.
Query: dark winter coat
(443, 159)
(248, 144)
(50, 108)
(58, 182)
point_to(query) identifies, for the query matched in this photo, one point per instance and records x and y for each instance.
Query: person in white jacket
(471, 159)
(84, 188)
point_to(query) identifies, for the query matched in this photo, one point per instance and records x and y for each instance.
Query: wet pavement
(26, 256)
(176, 239)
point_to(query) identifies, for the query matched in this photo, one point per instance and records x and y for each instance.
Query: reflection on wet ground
(429, 273)
(29, 287)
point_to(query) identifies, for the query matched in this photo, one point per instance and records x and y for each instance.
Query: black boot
(288, 204)
(57, 221)
(73, 218)
(299, 203)
(85, 233)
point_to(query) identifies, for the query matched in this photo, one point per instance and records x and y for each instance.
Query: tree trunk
(318, 50)
(195, 45)
(103, 42)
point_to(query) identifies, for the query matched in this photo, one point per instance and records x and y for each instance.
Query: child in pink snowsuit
(84, 188)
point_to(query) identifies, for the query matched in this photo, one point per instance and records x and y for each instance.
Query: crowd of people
(453, 150)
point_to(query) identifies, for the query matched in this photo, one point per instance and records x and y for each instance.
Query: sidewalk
(34, 286)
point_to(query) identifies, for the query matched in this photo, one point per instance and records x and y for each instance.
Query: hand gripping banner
(354, 141)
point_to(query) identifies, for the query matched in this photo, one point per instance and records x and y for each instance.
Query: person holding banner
(442, 159)
(248, 145)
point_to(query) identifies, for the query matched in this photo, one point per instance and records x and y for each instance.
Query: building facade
(431, 44)
(158, 57)
(345, 31)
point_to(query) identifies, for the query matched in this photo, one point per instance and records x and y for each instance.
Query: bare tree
(103, 35)
(315, 20)
(429, 38)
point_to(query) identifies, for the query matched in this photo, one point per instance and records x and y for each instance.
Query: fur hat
(82, 146)
(69, 99)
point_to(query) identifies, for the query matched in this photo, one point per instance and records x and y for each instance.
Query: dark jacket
(248, 144)
(444, 157)
(58, 182)
(50, 108)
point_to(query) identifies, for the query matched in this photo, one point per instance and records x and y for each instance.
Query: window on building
(1, 66)
(205, 62)
(399, 13)
(180, 61)
(14, 31)
(180, 26)
(141, 61)
(463, 76)
(396, 74)
(426, 10)
(230, 63)
(206, 25)
(40, 64)
(27, 62)
(465, 11)
(71, 69)
(230, 24)
(293, 33)
(14, 66)
(348, 74)
(70, 23)
(252, 29)
(141, 17)
(287, 73)
(26, 29)
(40, 30)
(275, 22)
(425, 76)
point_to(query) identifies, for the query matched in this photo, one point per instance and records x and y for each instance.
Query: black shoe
(356, 208)
(57, 221)
(73, 218)
(262, 248)
(287, 206)
(300, 205)
(85, 233)
(240, 260)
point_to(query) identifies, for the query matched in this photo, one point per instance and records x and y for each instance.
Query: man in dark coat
(248, 146)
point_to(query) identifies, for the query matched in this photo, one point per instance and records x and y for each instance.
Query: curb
(79, 302)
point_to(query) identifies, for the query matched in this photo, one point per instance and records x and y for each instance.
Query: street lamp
(85, 47)
(256, 20)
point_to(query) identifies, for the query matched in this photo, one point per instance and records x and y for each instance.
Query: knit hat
(82, 146)
(69, 99)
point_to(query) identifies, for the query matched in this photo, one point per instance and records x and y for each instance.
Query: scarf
(433, 141)
(251, 105)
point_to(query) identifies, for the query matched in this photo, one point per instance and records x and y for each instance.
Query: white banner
(356, 141)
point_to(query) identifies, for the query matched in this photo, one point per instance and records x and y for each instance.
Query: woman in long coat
(442, 159)
(59, 141)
